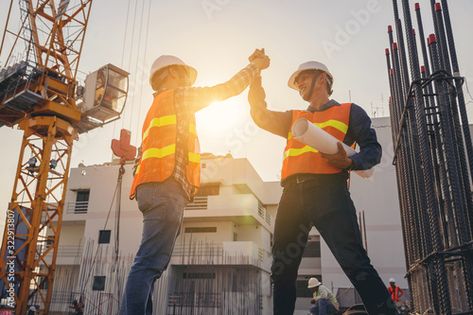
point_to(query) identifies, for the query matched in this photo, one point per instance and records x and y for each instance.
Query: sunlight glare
(221, 117)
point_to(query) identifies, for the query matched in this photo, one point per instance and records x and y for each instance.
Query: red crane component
(122, 147)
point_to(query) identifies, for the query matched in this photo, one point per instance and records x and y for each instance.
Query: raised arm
(197, 98)
(275, 122)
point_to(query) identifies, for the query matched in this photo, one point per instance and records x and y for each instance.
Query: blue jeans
(323, 307)
(162, 205)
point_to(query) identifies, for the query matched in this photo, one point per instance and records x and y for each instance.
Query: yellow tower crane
(40, 93)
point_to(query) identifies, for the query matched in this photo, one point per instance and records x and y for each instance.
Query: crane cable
(116, 193)
(135, 77)
(133, 23)
(145, 53)
(123, 56)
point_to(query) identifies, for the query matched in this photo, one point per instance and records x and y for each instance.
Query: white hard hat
(165, 61)
(392, 280)
(309, 65)
(313, 282)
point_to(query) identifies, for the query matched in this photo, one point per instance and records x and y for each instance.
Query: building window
(209, 229)
(99, 283)
(82, 201)
(312, 249)
(83, 195)
(104, 236)
(209, 190)
(301, 286)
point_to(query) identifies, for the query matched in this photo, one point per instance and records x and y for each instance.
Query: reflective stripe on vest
(160, 122)
(342, 127)
(166, 121)
(159, 137)
(303, 159)
(299, 151)
(193, 157)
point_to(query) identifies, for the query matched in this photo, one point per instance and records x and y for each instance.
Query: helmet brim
(292, 80)
(190, 70)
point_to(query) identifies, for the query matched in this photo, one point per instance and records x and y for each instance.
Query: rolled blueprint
(306, 132)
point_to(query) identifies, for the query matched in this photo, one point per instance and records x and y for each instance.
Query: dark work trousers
(322, 201)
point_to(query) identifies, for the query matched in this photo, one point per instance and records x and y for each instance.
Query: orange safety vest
(158, 145)
(303, 159)
(396, 293)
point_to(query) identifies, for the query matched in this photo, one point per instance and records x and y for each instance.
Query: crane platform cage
(104, 97)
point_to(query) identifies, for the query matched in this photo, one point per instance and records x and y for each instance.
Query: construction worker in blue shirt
(315, 188)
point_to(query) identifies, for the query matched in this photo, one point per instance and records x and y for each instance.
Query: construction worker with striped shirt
(168, 172)
(315, 188)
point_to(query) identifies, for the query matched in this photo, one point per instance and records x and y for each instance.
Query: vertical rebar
(461, 96)
(427, 167)
(454, 118)
(433, 165)
(401, 180)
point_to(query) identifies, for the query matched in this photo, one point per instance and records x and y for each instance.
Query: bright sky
(216, 37)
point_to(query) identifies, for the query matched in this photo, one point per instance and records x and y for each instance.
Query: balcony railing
(77, 207)
(226, 253)
(199, 203)
(263, 213)
(69, 251)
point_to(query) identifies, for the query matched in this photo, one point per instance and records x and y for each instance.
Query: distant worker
(78, 307)
(32, 310)
(168, 171)
(325, 301)
(315, 188)
(395, 291)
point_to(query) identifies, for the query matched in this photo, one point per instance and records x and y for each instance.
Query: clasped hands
(256, 94)
(259, 59)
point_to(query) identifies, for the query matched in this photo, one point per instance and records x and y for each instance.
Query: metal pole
(464, 189)
(406, 163)
(459, 218)
(401, 180)
(458, 83)
(427, 167)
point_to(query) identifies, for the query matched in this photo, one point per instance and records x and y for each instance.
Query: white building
(221, 261)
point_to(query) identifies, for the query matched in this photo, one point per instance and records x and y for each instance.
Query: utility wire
(98, 244)
(137, 72)
(122, 60)
(130, 57)
(144, 62)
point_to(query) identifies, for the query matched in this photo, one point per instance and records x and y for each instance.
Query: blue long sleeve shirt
(359, 130)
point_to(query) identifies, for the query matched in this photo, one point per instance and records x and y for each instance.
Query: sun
(221, 118)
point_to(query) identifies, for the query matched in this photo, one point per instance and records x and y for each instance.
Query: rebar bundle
(434, 161)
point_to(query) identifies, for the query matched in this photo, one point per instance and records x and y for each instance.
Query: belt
(326, 178)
